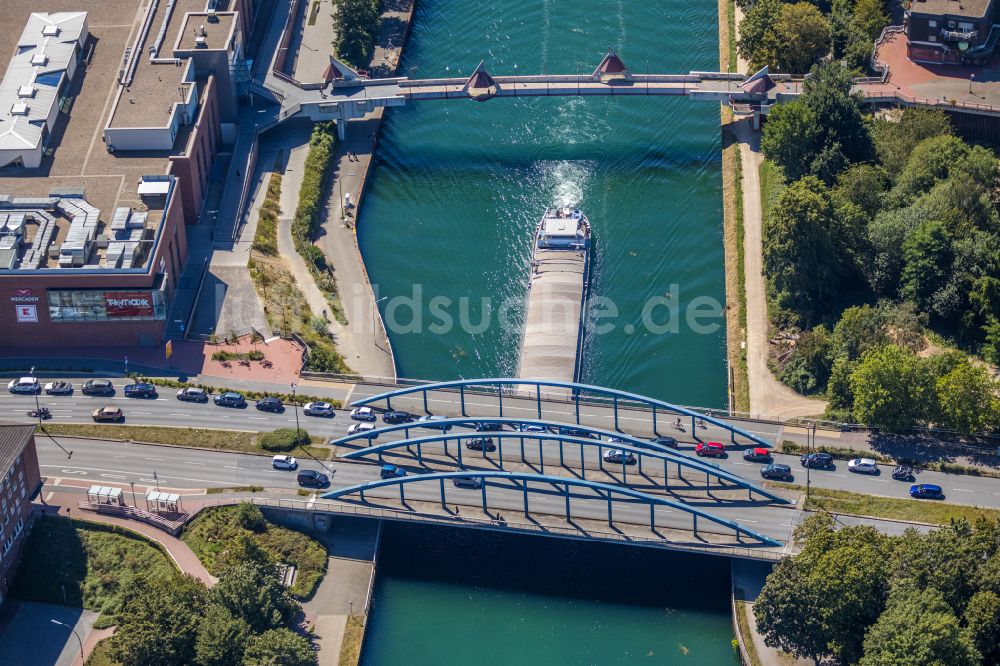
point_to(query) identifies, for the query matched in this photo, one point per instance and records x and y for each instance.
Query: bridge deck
(552, 322)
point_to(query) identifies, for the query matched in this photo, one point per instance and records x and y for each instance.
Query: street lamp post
(38, 409)
(295, 405)
(972, 77)
(78, 640)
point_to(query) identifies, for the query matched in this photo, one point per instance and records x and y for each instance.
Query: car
(758, 454)
(230, 399)
(619, 456)
(270, 404)
(358, 428)
(397, 416)
(310, 477)
(284, 462)
(863, 466)
(488, 426)
(904, 473)
(318, 408)
(391, 472)
(102, 387)
(108, 413)
(363, 414)
(617, 440)
(24, 385)
(816, 460)
(665, 441)
(715, 449)
(428, 421)
(140, 390)
(926, 491)
(471, 482)
(59, 388)
(531, 427)
(578, 432)
(776, 471)
(192, 394)
(480, 444)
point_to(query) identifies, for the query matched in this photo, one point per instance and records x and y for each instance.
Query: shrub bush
(284, 439)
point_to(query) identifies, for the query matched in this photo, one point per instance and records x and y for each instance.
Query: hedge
(300, 398)
(284, 439)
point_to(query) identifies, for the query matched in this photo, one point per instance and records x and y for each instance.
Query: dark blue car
(140, 390)
(926, 491)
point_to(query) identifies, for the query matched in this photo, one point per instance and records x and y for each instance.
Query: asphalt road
(167, 410)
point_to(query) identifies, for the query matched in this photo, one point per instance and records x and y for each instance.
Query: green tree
(801, 37)
(279, 647)
(991, 340)
(891, 389)
(791, 137)
(870, 17)
(967, 398)
(756, 32)
(788, 612)
(918, 629)
(896, 136)
(982, 617)
(840, 398)
(158, 622)
(860, 328)
(252, 592)
(221, 638)
(807, 368)
(356, 23)
(927, 257)
(930, 161)
(863, 185)
(805, 259)
(838, 111)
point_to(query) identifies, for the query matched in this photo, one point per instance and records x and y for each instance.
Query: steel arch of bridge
(565, 482)
(576, 389)
(632, 444)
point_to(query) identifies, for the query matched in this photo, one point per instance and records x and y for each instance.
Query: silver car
(863, 466)
(317, 409)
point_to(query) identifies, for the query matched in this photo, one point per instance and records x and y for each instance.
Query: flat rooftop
(215, 28)
(149, 99)
(970, 8)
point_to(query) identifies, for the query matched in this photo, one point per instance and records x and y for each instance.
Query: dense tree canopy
(357, 24)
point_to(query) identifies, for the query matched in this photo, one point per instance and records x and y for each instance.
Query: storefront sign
(128, 303)
(24, 296)
(27, 314)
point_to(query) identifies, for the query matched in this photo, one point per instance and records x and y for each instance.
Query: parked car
(312, 478)
(481, 444)
(776, 471)
(531, 427)
(758, 454)
(270, 404)
(363, 414)
(318, 408)
(108, 413)
(140, 390)
(192, 394)
(619, 456)
(926, 491)
(904, 473)
(24, 385)
(397, 416)
(664, 440)
(578, 432)
(358, 428)
(230, 399)
(428, 421)
(102, 387)
(59, 388)
(284, 462)
(816, 460)
(863, 466)
(488, 426)
(470, 482)
(715, 449)
(391, 472)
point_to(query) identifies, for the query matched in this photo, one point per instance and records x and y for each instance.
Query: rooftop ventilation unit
(212, 16)
(50, 31)
(19, 109)
(39, 59)
(201, 37)
(26, 91)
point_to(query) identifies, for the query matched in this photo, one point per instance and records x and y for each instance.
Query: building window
(931, 38)
(931, 23)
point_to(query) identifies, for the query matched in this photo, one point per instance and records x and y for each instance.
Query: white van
(24, 385)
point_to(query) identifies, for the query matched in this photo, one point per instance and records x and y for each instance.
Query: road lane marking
(188, 462)
(181, 415)
(161, 478)
(157, 459)
(963, 490)
(113, 476)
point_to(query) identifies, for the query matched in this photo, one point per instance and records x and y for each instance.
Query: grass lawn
(350, 648)
(212, 530)
(742, 608)
(91, 562)
(206, 438)
(922, 511)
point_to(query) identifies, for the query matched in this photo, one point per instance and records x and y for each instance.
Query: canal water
(459, 186)
(448, 596)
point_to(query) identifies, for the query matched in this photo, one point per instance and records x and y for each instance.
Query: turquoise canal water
(459, 186)
(448, 596)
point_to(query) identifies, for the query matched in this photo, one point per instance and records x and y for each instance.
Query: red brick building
(19, 481)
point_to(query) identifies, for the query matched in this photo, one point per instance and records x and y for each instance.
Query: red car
(715, 449)
(758, 454)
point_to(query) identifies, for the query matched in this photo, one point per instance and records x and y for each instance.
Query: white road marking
(113, 476)
(188, 462)
(963, 490)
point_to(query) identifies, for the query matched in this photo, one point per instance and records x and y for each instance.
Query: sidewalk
(65, 504)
